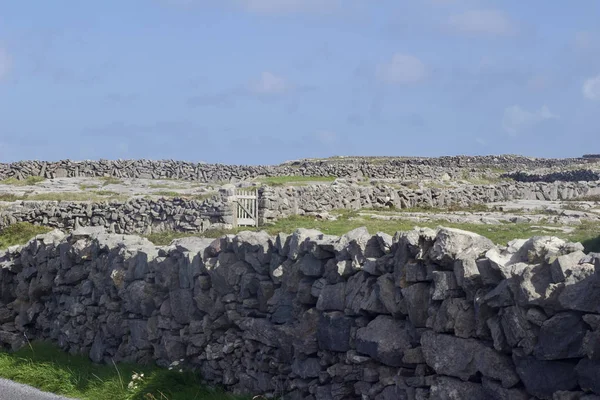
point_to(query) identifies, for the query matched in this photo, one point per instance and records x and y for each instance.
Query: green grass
(20, 233)
(587, 233)
(166, 193)
(46, 367)
(166, 237)
(429, 209)
(106, 193)
(30, 180)
(295, 180)
(88, 186)
(9, 197)
(161, 186)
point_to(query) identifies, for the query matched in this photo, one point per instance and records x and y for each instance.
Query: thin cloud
(401, 70)
(326, 138)
(517, 119)
(269, 84)
(5, 63)
(267, 7)
(289, 6)
(482, 22)
(591, 88)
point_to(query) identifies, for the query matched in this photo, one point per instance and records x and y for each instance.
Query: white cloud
(289, 6)
(482, 22)
(591, 88)
(517, 119)
(326, 137)
(5, 63)
(269, 84)
(401, 70)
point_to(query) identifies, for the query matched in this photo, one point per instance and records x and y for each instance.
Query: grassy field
(31, 180)
(20, 233)
(586, 233)
(295, 180)
(94, 195)
(48, 368)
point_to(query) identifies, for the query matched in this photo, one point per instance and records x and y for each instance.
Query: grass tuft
(20, 233)
(9, 197)
(48, 368)
(30, 180)
(85, 186)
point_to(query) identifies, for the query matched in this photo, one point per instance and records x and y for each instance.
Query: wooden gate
(245, 204)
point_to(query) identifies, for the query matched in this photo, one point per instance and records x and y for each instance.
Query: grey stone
(333, 332)
(588, 375)
(543, 378)
(463, 358)
(385, 340)
(451, 244)
(182, 305)
(567, 267)
(332, 297)
(444, 285)
(561, 337)
(308, 368)
(311, 266)
(417, 302)
(446, 388)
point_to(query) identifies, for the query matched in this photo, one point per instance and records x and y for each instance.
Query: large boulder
(451, 244)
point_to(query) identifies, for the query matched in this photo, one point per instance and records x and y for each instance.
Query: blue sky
(264, 81)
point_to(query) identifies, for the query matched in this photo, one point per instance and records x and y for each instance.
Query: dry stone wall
(143, 216)
(564, 176)
(437, 315)
(138, 215)
(280, 202)
(384, 168)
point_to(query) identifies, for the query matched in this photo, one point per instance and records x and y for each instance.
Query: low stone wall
(424, 315)
(281, 202)
(564, 176)
(141, 215)
(383, 168)
(138, 215)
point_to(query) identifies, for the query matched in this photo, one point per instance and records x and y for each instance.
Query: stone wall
(564, 176)
(382, 168)
(141, 215)
(137, 215)
(438, 315)
(280, 202)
